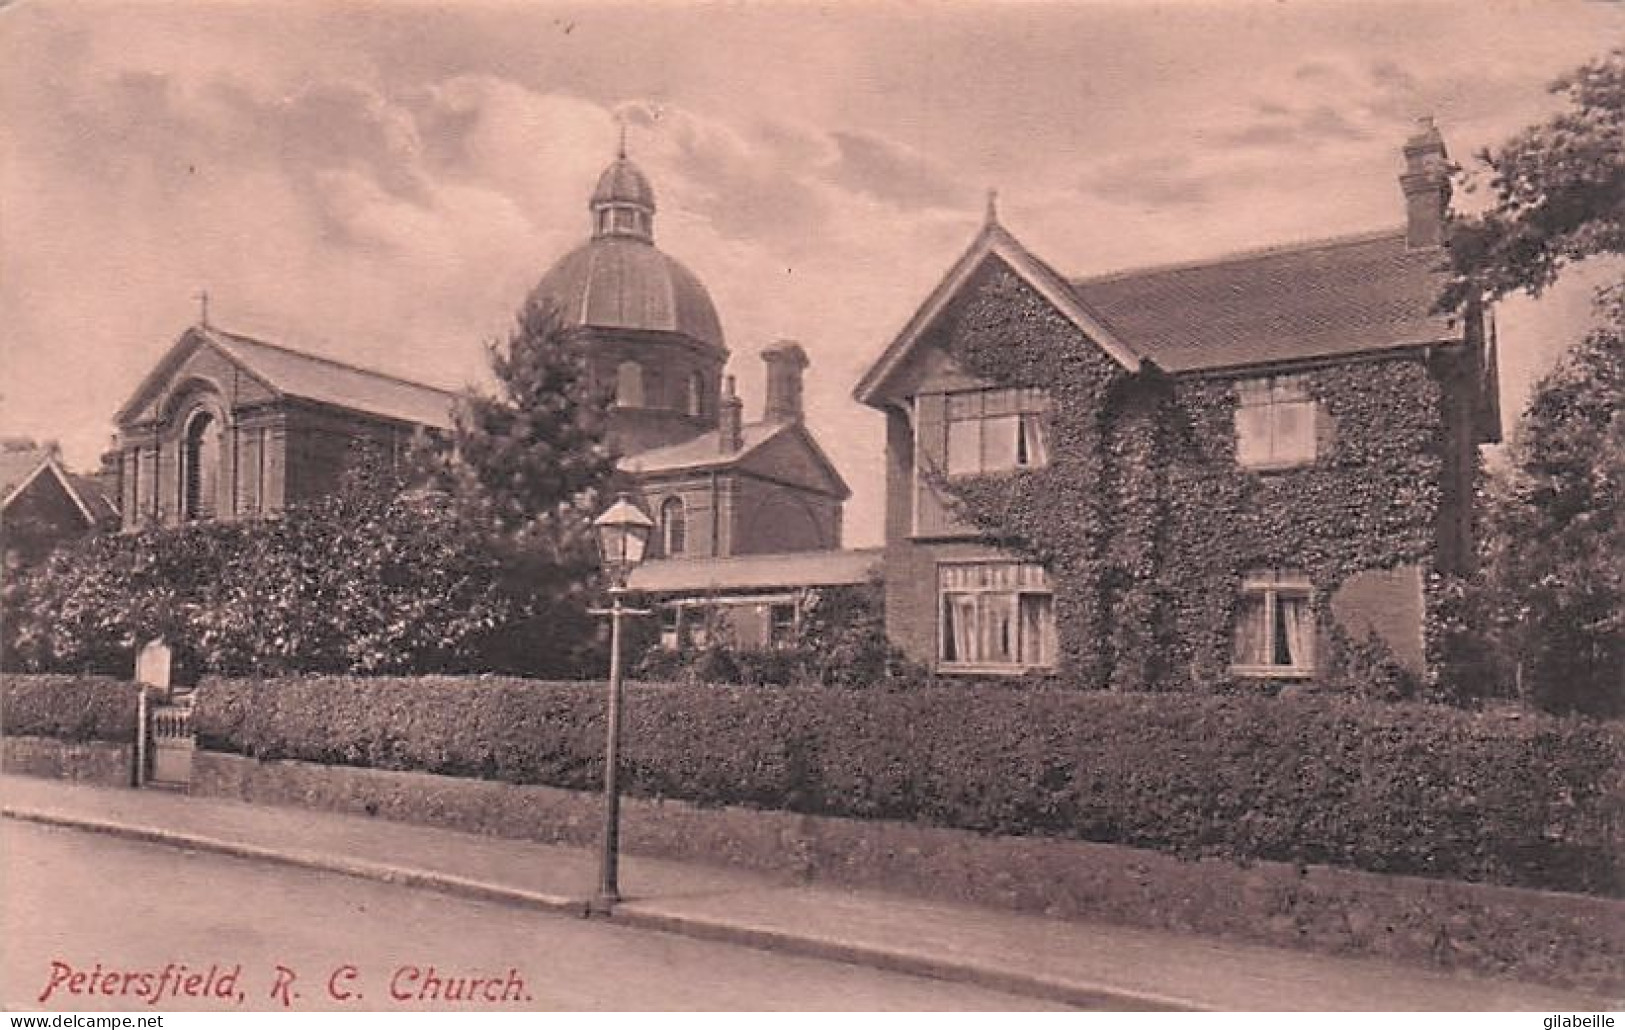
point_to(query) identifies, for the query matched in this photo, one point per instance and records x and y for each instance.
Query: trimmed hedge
(68, 708)
(1413, 789)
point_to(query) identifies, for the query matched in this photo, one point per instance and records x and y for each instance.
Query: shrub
(1397, 788)
(69, 708)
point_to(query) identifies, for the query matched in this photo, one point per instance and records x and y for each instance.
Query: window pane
(1295, 432)
(1037, 644)
(964, 447)
(999, 438)
(1253, 435)
(965, 405)
(999, 629)
(1251, 631)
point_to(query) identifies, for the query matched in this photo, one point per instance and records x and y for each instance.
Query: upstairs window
(997, 431)
(1276, 423)
(1275, 627)
(996, 617)
(673, 527)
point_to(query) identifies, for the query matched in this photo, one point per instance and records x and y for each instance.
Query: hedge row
(1530, 801)
(69, 708)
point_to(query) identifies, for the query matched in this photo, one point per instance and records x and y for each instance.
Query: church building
(226, 426)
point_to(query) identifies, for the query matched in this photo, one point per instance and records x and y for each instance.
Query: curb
(635, 915)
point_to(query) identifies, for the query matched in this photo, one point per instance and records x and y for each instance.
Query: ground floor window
(995, 616)
(1275, 626)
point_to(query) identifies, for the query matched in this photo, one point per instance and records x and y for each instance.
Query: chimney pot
(785, 361)
(1426, 184)
(730, 424)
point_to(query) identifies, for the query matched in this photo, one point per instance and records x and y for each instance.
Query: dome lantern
(624, 203)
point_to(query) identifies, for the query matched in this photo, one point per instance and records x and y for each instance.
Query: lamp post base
(603, 904)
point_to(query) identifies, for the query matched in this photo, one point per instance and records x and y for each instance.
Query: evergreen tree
(530, 462)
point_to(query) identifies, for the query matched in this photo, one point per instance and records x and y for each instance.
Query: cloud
(895, 173)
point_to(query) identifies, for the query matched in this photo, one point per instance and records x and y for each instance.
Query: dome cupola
(624, 203)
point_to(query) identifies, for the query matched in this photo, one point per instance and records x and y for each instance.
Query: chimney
(730, 428)
(785, 361)
(1426, 183)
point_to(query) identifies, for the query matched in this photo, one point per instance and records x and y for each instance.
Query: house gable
(994, 246)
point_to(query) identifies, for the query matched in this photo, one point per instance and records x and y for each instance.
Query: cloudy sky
(384, 181)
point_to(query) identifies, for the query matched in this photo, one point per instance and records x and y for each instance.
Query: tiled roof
(756, 571)
(1337, 297)
(703, 451)
(95, 496)
(311, 377)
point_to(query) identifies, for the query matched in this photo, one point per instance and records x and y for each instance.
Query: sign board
(152, 664)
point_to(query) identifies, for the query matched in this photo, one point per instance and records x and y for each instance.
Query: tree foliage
(1557, 538)
(1559, 193)
(373, 578)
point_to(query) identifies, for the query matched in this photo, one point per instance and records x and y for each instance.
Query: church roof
(703, 451)
(1329, 298)
(293, 373)
(621, 282)
(780, 450)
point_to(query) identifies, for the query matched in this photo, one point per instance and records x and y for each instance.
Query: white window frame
(1031, 580)
(667, 506)
(1027, 408)
(1270, 398)
(1271, 587)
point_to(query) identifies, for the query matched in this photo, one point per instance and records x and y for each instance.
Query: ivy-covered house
(1254, 467)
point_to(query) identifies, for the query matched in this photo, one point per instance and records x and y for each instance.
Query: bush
(1396, 788)
(69, 708)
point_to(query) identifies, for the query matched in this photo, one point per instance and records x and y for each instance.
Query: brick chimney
(731, 417)
(785, 362)
(1426, 183)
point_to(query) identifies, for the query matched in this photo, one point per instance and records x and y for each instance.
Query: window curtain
(960, 629)
(1037, 641)
(1033, 448)
(999, 629)
(1251, 631)
(1292, 633)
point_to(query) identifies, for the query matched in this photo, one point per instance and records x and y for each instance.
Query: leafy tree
(1557, 551)
(530, 464)
(1559, 193)
(1552, 555)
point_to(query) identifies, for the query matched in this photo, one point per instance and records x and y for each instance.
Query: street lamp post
(623, 535)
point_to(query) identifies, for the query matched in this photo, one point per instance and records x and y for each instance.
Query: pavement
(1094, 965)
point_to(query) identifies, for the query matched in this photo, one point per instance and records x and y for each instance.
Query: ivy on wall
(1146, 520)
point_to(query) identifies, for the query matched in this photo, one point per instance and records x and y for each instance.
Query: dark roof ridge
(1243, 256)
(324, 359)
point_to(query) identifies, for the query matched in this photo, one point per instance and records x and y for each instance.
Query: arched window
(696, 394)
(629, 385)
(200, 469)
(673, 527)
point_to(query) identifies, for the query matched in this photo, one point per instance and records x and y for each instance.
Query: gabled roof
(994, 241)
(19, 469)
(292, 373)
(757, 571)
(1329, 298)
(1337, 297)
(705, 453)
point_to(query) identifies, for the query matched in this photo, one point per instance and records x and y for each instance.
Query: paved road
(75, 901)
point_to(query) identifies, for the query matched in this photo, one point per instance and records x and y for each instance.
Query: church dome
(619, 279)
(617, 282)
